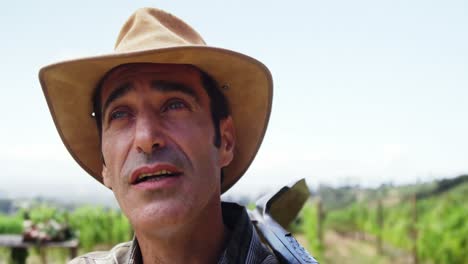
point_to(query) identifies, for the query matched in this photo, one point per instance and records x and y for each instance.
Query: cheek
(115, 148)
(197, 133)
(197, 140)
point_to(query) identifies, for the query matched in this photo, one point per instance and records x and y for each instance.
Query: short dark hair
(219, 105)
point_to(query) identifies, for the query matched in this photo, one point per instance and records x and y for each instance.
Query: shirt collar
(243, 243)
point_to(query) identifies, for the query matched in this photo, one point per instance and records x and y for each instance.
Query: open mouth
(155, 176)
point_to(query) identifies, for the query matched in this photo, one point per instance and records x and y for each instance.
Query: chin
(160, 216)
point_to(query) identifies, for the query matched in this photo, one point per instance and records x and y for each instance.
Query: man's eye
(175, 105)
(118, 114)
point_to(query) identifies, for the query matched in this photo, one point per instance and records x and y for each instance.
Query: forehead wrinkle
(167, 86)
(120, 91)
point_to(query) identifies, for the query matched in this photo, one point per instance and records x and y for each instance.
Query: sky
(365, 92)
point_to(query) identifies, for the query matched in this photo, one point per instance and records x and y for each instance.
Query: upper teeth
(161, 172)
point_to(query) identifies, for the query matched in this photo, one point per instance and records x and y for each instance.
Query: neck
(201, 240)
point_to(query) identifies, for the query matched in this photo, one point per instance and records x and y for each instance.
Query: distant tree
(443, 186)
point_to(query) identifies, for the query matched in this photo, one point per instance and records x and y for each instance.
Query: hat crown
(150, 28)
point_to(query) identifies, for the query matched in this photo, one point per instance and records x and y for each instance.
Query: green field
(437, 227)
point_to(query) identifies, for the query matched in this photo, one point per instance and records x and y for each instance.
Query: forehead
(128, 73)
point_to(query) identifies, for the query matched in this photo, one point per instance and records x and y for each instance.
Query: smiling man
(168, 124)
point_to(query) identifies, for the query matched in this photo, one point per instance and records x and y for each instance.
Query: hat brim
(68, 87)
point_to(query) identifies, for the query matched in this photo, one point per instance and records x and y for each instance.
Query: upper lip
(153, 169)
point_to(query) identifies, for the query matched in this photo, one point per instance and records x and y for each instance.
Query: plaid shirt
(244, 245)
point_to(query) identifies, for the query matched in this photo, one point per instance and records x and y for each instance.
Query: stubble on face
(188, 146)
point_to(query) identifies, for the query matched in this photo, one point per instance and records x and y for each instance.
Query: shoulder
(118, 254)
(259, 253)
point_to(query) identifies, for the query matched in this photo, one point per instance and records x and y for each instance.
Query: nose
(148, 134)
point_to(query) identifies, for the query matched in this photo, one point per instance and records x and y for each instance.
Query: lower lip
(165, 183)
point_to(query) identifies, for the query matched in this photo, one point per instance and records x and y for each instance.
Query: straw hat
(154, 36)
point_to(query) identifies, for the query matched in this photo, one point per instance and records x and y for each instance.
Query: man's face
(157, 143)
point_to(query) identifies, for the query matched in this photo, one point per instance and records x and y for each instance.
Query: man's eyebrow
(165, 86)
(117, 93)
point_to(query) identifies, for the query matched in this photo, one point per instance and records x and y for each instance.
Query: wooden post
(73, 252)
(43, 254)
(414, 230)
(380, 220)
(319, 221)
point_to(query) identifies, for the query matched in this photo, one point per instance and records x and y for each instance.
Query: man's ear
(105, 177)
(228, 141)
